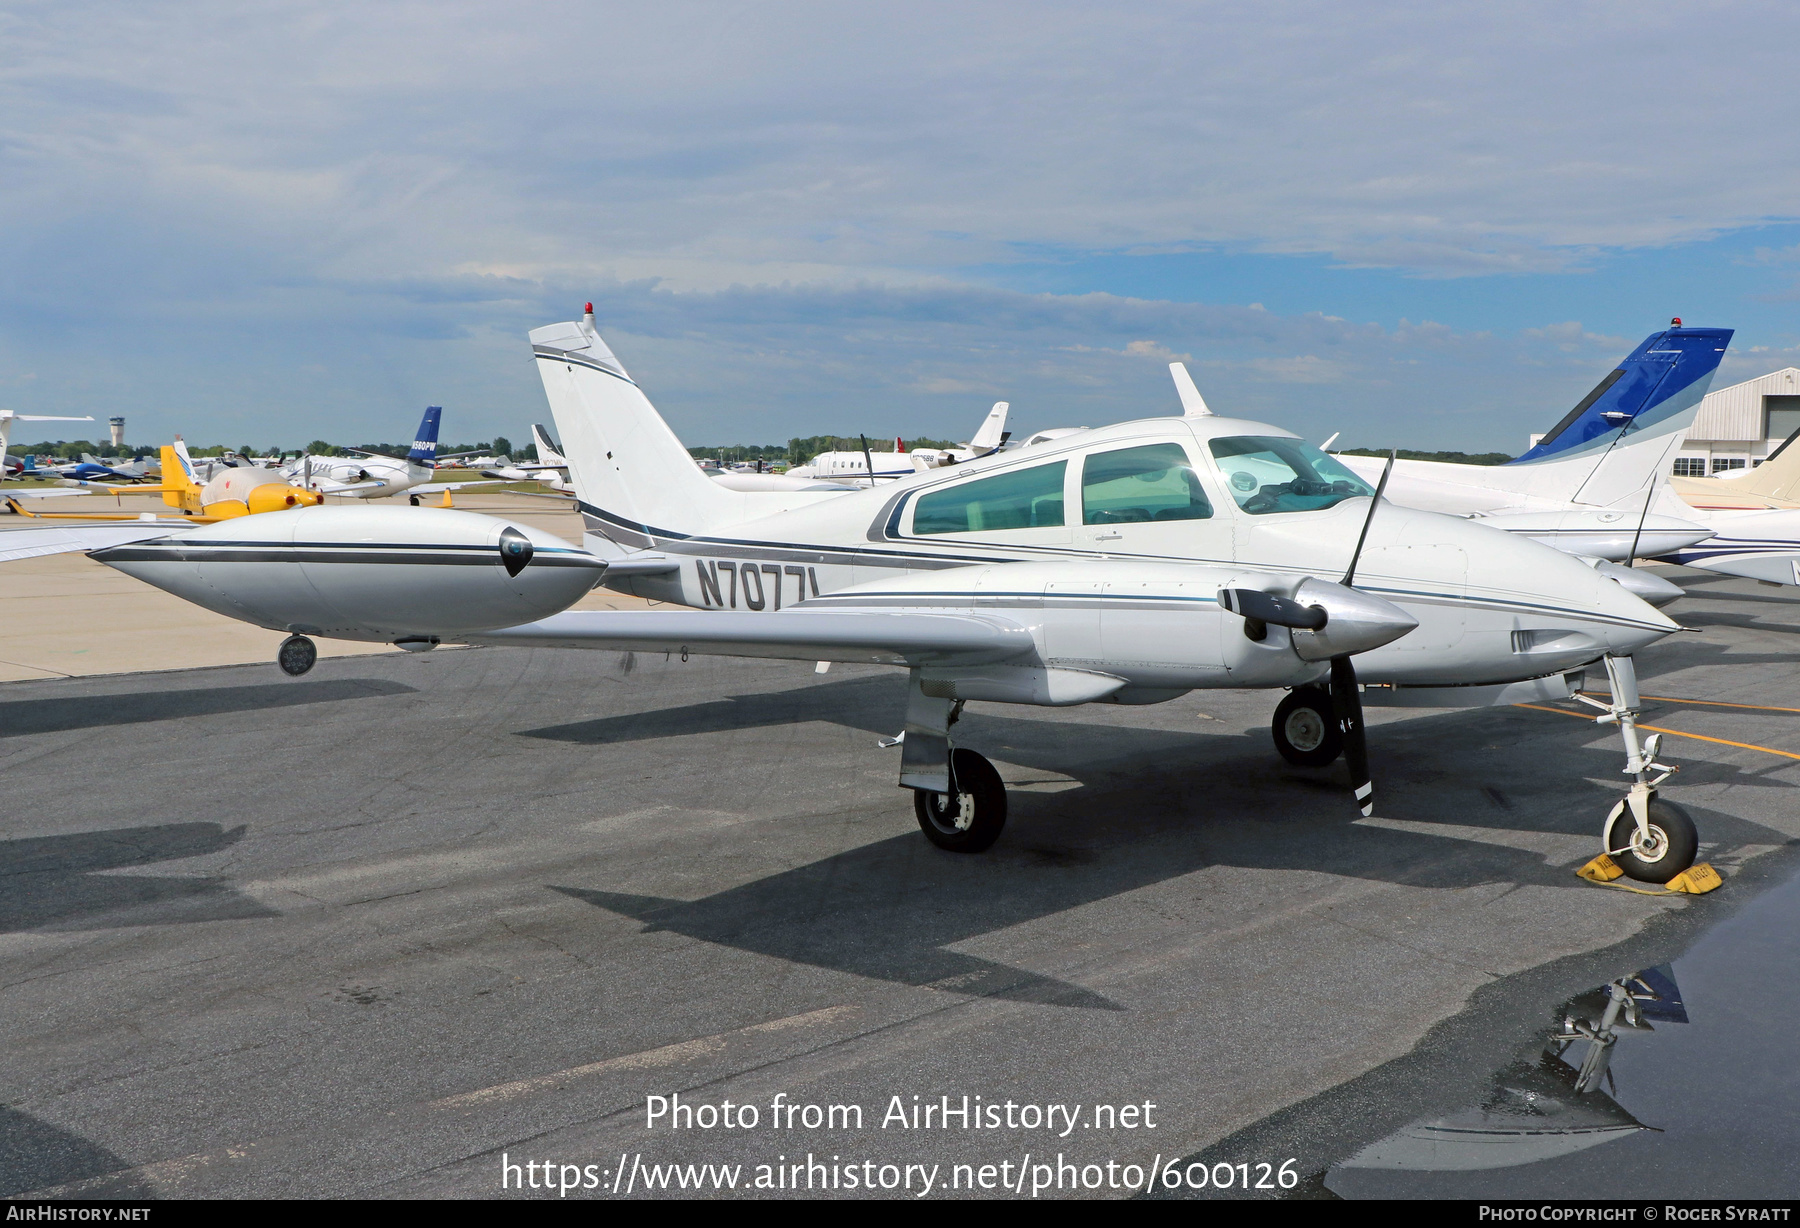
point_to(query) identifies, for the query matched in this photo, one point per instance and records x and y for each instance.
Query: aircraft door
(1149, 501)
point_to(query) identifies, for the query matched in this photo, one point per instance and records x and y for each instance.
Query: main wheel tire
(413, 499)
(296, 655)
(1672, 847)
(968, 821)
(1305, 728)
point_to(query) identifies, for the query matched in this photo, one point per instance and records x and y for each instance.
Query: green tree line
(1454, 458)
(799, 450)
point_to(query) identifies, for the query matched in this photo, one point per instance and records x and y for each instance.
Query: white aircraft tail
(993, 429)
(549, 452)
(634, 481)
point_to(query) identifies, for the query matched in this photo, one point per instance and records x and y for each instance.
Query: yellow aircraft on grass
(240, 491)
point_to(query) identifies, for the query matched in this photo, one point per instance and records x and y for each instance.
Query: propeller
(1259, 610)
(1346, 700)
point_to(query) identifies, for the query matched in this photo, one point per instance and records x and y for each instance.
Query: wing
(883, 637)
(33, 542)
(44, 493)
(345, 489)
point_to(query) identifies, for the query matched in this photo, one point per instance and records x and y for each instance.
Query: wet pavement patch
(1673, 1080)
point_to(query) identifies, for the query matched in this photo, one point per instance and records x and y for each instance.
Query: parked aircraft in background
(375, 475)
(231, 492)
(550, 470)
(15, 469)
(1772, 485)
(887, 466)
(1607, 463)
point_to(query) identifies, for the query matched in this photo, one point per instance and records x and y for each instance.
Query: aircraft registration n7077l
(1126, 564)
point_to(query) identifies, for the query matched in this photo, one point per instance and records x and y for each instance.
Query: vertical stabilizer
(635, 482)
(425, 443)
(181, 485)
(993, 429)
(549, 452)
(1622, 434)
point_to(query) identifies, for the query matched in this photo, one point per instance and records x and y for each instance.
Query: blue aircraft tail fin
(1657, 389)
(424, 449)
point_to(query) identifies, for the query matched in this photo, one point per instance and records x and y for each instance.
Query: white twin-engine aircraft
(1127, 564)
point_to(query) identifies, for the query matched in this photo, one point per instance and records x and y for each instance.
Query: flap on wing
(884, 637)
(63, 538)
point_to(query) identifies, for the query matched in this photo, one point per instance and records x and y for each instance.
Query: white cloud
(1300, 369)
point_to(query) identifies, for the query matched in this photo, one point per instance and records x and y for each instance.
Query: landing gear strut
(296, 655)
(958, 796)
(1650, 838)
(1306, 729)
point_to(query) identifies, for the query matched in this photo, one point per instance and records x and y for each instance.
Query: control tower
(118, 431)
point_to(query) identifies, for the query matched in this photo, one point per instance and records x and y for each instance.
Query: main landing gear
(958, 796)
(1647, 836)
(296, 655)
(1305, 728)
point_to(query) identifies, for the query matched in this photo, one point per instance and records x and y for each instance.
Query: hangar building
(1740, 425)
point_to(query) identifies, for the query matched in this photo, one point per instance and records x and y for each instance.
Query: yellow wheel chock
(1697, 879)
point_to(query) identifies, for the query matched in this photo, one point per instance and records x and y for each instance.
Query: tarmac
(412, 923)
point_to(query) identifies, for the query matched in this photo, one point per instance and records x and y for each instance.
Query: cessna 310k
(1126, 564)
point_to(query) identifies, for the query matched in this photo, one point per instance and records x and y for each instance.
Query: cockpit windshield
(1270, 474)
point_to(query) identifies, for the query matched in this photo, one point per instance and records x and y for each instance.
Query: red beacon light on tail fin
(1675, 323)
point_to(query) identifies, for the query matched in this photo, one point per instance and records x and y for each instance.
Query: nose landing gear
(296, 655)
(1647, 836)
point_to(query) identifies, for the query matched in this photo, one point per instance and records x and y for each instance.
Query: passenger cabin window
(1267, 474)
(1024, 499)
(1155, 482)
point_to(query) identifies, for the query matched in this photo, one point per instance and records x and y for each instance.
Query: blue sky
(1428, 225)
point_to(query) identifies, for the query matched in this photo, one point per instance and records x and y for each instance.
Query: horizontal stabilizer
(883, 637)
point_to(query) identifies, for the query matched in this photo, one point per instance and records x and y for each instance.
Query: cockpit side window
(1023, 499)
(1154, 482)
(1268, 474)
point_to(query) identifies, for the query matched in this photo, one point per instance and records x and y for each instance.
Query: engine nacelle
(367, 573)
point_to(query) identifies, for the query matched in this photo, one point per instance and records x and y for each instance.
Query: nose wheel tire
(296, 655)
(1306, 730)
(969, 820)
(1671, 848)
(413, 499)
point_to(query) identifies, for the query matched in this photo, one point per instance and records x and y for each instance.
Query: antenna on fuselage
(1350, 572)
(1193, 405)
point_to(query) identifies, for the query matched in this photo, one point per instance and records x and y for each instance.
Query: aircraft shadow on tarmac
(52, 882)
(1145, 805)
(35, 1155)
(26, 716)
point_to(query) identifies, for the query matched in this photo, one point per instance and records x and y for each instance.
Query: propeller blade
(1268, 608)
(1350, 572)
(1346, 705)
